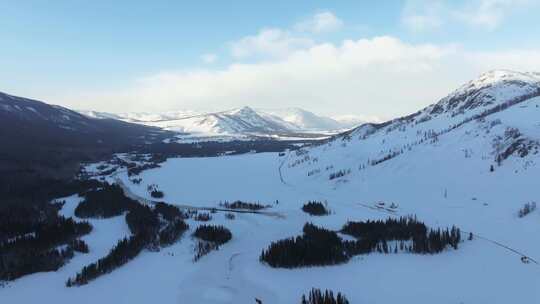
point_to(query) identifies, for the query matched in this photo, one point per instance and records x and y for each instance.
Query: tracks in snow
(496, 243)
(143, 200)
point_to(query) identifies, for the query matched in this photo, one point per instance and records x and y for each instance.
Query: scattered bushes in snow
(154, 191)
(137, 169)
(526, 209)
(316, 296)
(136, 181)
(243, 205)
(203, 248)
(388, 156)
(202, 217)
(315, 208)
(230, 216)
(339, 174)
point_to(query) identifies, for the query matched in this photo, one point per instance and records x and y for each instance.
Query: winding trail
(143, 200)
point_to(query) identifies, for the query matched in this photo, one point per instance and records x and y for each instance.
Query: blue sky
(166, 55)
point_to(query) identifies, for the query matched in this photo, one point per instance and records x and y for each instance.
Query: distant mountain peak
(239, 121)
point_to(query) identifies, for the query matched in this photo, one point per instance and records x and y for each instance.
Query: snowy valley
(470, 160)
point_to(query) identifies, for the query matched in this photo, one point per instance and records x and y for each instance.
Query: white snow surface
(444, 180)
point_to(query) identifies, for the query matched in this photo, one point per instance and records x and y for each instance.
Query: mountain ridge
(244, 120)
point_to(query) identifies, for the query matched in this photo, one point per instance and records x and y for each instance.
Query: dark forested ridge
(43, 147)
(29, 245)
(107, 201)
(152, 227)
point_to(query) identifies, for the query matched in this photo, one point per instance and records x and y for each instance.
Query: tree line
(43, 248)
(319, 246)
(316, 296)
(316, 247)
(151, 228)
(413, 236)
(243, 205)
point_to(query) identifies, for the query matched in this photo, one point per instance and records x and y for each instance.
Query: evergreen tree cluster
(374, 236)
(154, 191)
(316, 296)
(134, 170)
(243, 205)
(79, 246)
(315, 208)
(38, 250)
(169, 212)
(211, 237)
(105, 202)
(339, 173)
(33, 237)
(527, 208)
(152, 228)
(316, 247)
(172, 232)
(203, 248)
(202, 217)
(215, 234)
(126, 250)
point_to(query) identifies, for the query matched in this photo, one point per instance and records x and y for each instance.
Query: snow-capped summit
(491, 88)
(240, 121)
(305, 120)
(491, 119)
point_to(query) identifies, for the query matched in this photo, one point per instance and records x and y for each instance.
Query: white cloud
(279, 43)
(320, 23)
(270, 42)
(487, 14)
(381, 76)
(421, 15)
(209, 58)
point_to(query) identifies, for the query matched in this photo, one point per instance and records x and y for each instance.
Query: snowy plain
(479, 272)
(446, 179)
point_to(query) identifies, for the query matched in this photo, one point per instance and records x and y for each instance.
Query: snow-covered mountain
(242, 121)
(304, 120)
(472, 160)
(493, 119)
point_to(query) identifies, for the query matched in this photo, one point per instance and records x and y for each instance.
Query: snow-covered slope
(494, 119)
(471, 160)
(305, 120)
